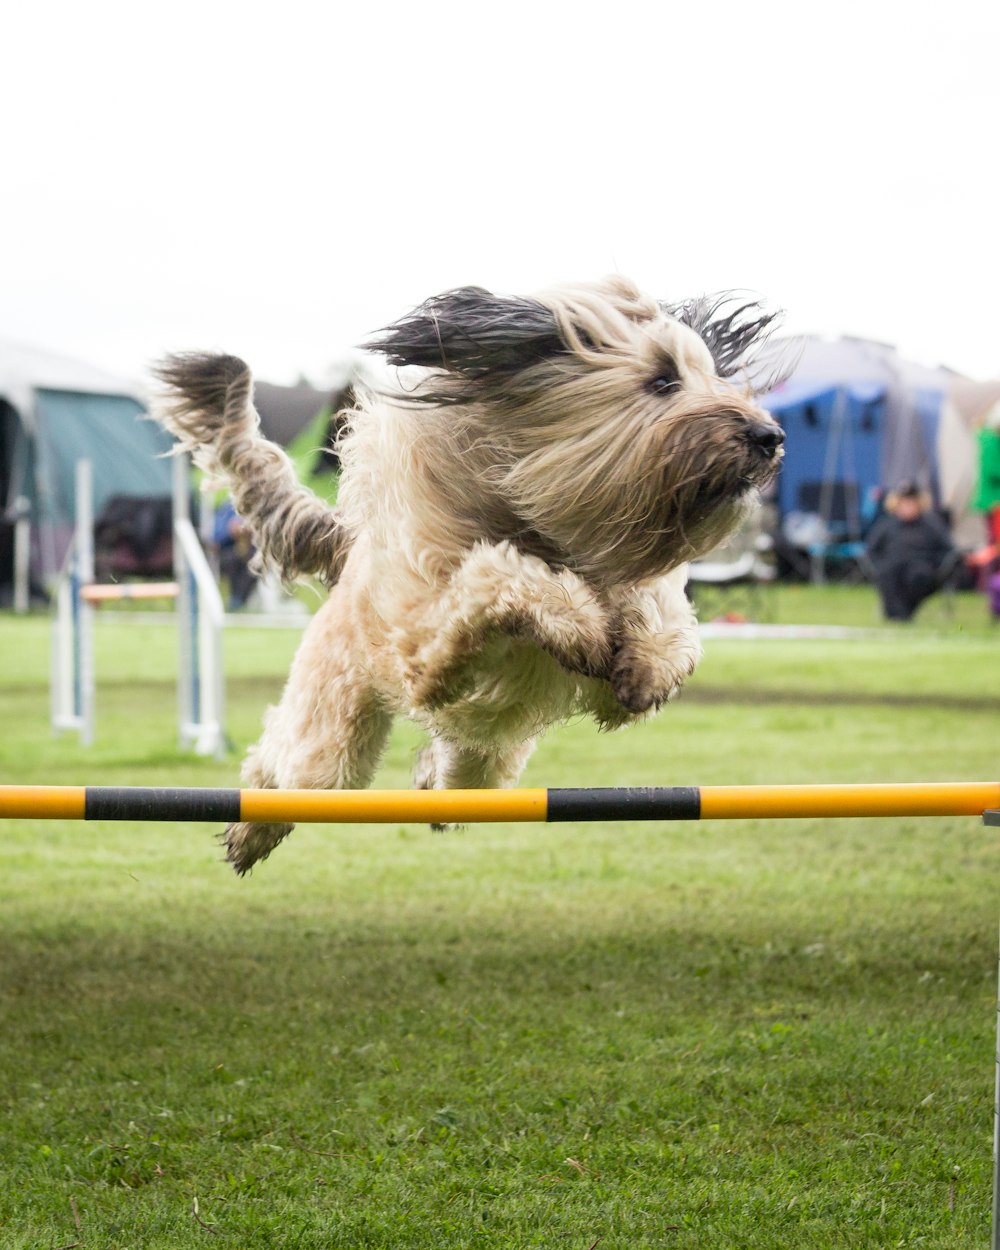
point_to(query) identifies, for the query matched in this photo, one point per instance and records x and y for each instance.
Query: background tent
(54, 411)
(285, 411)
(303, 420)
(859, 419)
(306, 423)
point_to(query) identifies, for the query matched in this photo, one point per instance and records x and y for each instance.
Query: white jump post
(199, 613)
(72, 671)
(200, 618)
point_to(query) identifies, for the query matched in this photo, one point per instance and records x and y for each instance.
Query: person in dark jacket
(910, 550)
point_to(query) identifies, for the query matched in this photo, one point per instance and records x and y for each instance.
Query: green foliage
(305, 452)
(729, 1034)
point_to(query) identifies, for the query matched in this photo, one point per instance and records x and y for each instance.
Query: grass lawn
(724, 1034)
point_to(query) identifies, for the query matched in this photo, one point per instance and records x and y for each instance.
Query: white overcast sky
(280, 180)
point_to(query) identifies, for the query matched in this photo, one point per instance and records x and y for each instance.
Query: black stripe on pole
(631, 803)
(160, 803)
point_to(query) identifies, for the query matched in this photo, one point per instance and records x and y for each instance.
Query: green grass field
(724, 1034)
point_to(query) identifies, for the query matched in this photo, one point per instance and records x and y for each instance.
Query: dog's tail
(207, 404)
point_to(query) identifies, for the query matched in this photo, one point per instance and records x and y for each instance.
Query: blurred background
(280, 186)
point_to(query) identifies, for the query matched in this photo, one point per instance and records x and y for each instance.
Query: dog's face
(604, 428)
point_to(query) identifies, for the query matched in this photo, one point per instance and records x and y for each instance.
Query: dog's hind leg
(447, 765)
(327, 732)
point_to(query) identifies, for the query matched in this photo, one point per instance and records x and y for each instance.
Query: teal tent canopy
(53, 412)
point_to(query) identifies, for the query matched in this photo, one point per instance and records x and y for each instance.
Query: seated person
(910, 550)
(235, 549)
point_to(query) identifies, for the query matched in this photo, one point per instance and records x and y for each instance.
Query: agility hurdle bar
(112, 592)
(137, 803)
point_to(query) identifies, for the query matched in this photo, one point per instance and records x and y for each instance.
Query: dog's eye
(667, 382)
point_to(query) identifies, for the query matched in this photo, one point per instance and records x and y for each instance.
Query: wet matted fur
(514, 521)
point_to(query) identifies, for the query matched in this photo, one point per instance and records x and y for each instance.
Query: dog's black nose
(767, 435)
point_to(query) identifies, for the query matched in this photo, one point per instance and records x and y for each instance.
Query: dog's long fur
(512, 532)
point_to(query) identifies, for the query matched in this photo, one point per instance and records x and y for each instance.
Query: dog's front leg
(499, 590)
(657, 647)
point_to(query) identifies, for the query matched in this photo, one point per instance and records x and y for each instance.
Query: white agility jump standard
(200, 617)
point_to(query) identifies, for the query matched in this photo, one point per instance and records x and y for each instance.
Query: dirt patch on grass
(841, 698)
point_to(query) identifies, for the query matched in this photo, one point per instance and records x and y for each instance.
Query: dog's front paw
(643, 678)
(635, 683)
(248, 843)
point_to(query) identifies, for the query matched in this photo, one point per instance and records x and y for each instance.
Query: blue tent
(858, 420)
(833, 451)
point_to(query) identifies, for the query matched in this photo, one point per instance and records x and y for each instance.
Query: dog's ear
(471, 332)
(729, 335)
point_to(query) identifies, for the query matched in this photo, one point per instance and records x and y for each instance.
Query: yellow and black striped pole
(149, 803)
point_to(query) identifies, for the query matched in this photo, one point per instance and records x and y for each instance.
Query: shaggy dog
(513, 525)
